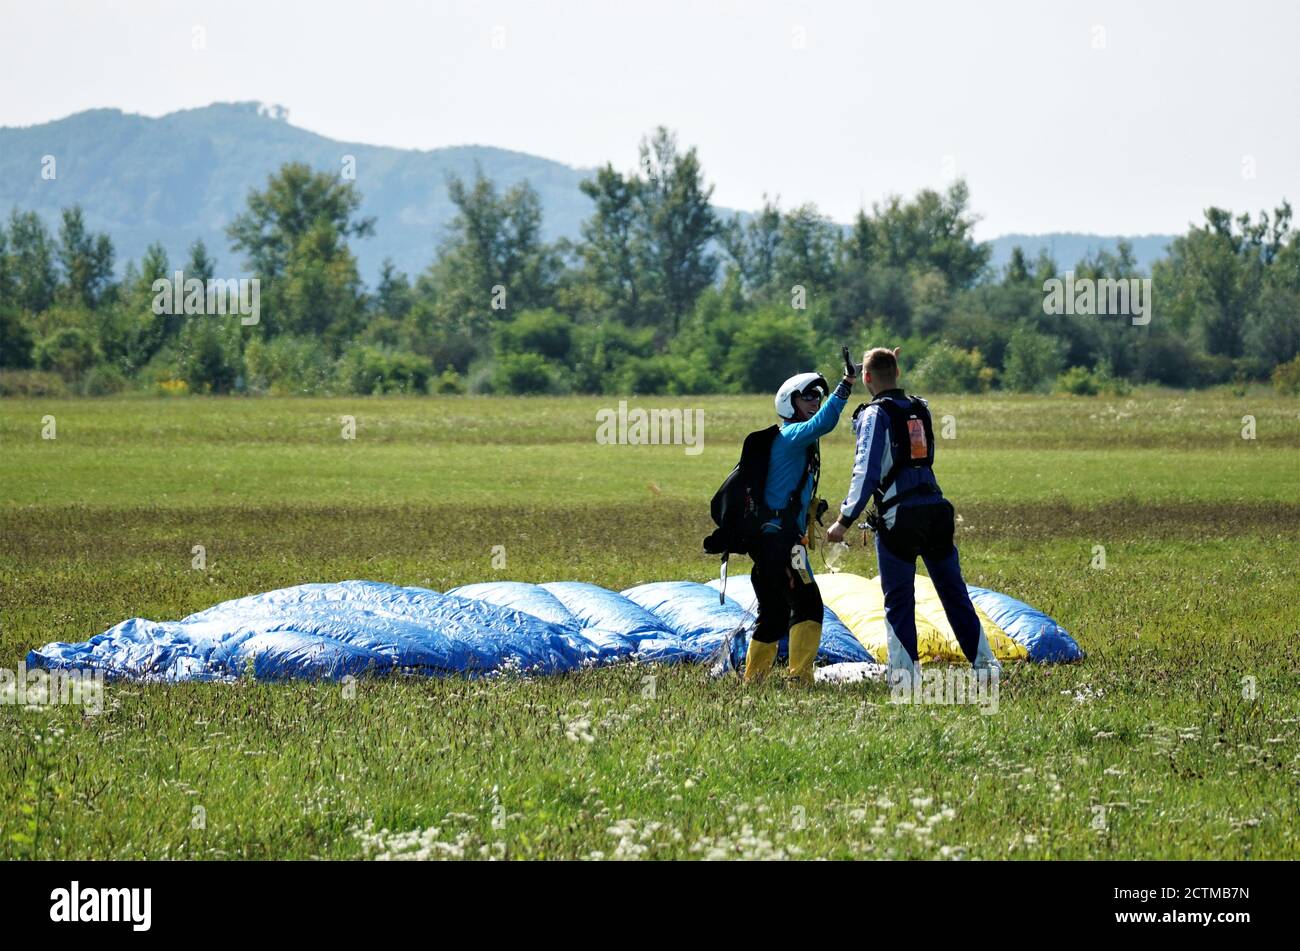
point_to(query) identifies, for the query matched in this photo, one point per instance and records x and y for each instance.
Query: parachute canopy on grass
(359, 627)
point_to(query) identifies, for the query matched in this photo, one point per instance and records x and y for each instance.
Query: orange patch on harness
(916, 429)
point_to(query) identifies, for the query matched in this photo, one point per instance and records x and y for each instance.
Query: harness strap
(900, 463)
(924, 488)
(891, 476)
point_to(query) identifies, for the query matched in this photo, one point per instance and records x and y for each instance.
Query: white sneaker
(902, 675)
(984, 659)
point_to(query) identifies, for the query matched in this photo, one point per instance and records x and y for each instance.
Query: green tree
(859, 248)
(393, 294)
(806, 253)
(770, 347)
(68, 351)
(320, 291)
(1215, 273)
(1286, 377)
(153, 330)
(86, 259)
(494, 261)
(210, 354)
(1017, 269)
(294, 235)
(601, 349)
(35, 280)
(753, 246)
(949, 369)
(612, 249)
(1033, 361)
(7, 286)
(288, 365)
(932, 231)
(1272, 333)
(16, 339)
(679, 224)
(201, 264)
(543, 332)
(526, 373)
(372, 370)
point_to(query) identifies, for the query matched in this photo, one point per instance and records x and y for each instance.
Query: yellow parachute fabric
(860, 603)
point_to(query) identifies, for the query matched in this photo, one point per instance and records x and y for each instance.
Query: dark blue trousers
(918, 530)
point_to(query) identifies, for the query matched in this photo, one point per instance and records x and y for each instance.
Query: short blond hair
(881, 363)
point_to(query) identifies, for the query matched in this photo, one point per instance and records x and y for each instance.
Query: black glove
(851, 369)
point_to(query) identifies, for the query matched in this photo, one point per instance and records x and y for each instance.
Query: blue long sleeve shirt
(790, 455)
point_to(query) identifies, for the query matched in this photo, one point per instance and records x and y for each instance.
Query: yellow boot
(805, 638)
(759, 661)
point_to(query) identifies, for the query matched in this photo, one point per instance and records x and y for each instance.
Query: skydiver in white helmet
(788, 599)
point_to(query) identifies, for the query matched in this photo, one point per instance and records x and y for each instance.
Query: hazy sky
(1121, 117)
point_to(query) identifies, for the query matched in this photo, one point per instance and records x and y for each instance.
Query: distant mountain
(186, 175)
(1068, 248)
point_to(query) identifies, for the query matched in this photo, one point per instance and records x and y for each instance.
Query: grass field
(1176, 738)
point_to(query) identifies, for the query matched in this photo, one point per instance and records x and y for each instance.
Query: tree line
(658, 294)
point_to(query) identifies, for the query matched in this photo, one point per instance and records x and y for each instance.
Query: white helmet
(797, 386)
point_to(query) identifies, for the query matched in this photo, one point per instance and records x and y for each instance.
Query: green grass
(1148, 749)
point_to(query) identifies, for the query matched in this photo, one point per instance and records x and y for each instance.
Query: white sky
(1173, 113)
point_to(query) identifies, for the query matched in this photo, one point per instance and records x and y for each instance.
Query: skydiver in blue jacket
(893, 466)
(788, 599)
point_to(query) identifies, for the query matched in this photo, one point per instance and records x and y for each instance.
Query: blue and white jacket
(873, 459)
(790, 454)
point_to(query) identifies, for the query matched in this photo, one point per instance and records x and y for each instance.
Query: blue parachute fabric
(692, 611)
(329, 630)
(605, 610)
(838, 646)
(360, 627)
(604, 645)
(287, 629)
(1044, 639)
(521, 596)
(136, 649)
